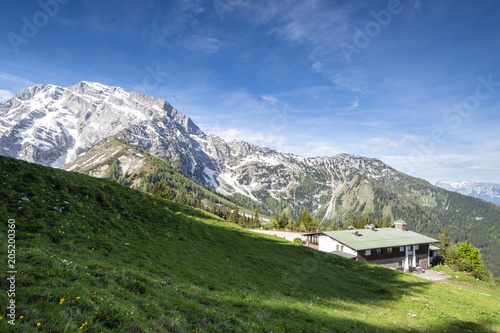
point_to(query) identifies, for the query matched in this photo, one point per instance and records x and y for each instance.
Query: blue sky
(413, 83)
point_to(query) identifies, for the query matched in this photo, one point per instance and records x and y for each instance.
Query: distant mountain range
(56, 126)
(487, 191)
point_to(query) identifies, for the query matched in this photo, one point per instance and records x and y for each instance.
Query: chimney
(400, 225)
(351, 227)
(355, 233)
(371, 227)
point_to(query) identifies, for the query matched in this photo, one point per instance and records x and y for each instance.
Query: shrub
(297, 240)
(464, 265)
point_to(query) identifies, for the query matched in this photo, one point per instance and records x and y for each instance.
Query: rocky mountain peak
(54, 126)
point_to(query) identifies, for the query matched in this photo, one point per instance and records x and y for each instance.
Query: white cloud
(323, 36)
(313, 149)
(202, 44)
(5, 95)
(233, 109)
(276, 141)
(261, 139)
(453, 167)
(384, 143)
(13, 82)
(352, 106)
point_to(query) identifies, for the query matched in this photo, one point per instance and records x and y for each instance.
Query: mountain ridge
(488, 191)
(49, 124)
(53, 126)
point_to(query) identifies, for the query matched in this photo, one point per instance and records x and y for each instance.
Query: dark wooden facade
(362, 257)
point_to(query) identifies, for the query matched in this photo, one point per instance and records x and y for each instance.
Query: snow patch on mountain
(54, 126)
(484, 190)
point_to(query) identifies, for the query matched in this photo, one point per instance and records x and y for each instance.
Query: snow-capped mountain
(54, 126)
(75, 126)
(487, 191)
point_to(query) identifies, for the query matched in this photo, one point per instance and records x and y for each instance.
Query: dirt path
(433, 275)
(288, 235)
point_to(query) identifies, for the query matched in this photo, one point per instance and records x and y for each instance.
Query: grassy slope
(186, 271)
(145, 177)
(426, 209)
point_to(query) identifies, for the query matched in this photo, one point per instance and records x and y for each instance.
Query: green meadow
(96, 256)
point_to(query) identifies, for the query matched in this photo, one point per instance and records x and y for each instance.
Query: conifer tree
(447, 247)
(242, 220)
(283, 221)
(306, 221)
(167, 194)
(183, 198)
(256, 219)
(157, 189)
(352, 221)
(198, 203)
(235, 214)
(161, 190)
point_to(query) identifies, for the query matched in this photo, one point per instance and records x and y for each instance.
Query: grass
(95, 256)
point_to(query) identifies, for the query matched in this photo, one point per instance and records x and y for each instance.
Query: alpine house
(393, 247)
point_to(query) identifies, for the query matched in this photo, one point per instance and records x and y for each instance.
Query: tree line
(463, 257)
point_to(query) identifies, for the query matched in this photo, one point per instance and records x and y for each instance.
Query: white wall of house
(328, 244)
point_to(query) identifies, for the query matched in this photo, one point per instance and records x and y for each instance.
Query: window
(313, 239)
(338, 247)
(368, 252)
(417, 247)
(379, 251)
(342, 248)
(401, 249)
(390, 250)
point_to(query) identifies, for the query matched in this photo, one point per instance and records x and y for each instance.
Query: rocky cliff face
(54, 126)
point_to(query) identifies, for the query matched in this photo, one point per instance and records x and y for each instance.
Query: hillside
(427, 209)
(132, 166)
(55, 126)
(96, 256)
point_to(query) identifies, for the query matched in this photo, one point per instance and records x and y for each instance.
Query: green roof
(379, 238)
